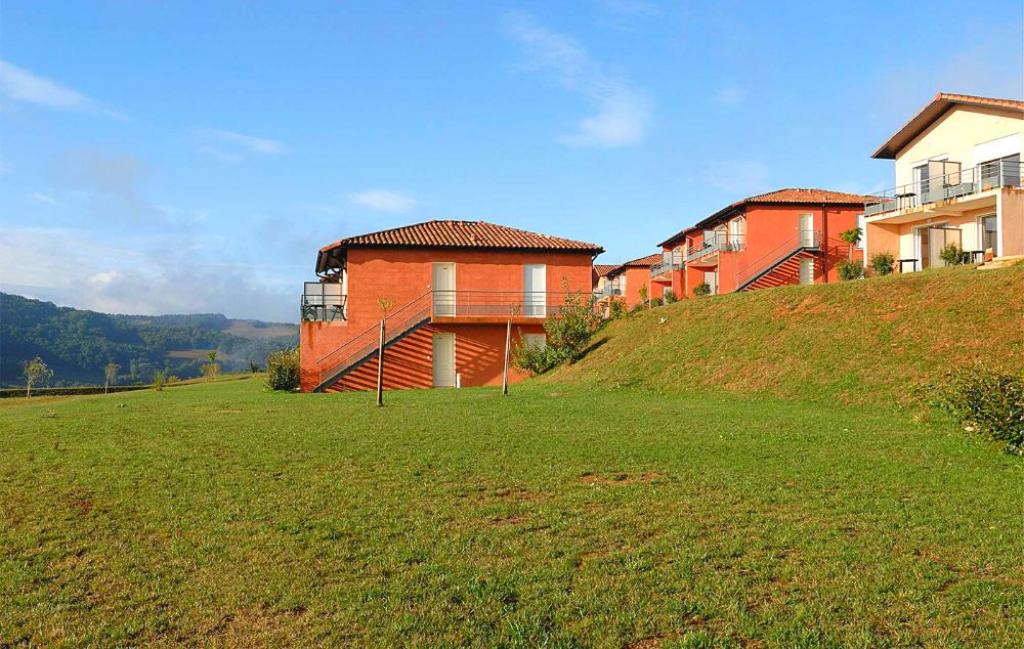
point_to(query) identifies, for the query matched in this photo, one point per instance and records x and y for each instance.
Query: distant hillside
(78, 344)
(869, 341)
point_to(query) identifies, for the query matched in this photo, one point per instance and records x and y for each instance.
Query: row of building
(450, 288)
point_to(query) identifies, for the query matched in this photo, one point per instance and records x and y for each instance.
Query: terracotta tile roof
(603, 269)
(456, 234)
(939, 106)
(785, 196)
(643, 262)
(461, 234)
(639, 262)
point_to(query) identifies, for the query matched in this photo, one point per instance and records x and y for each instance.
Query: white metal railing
(718, 242)
(670, 260)
(322, 302)
(946, 186)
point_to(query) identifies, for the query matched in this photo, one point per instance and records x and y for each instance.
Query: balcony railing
(670, 260)
(500, 304)
(607, 291)
(322, 302)
(946, 186)
(718, 242)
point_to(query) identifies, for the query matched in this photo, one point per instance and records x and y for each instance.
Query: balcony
(717, 242)
(322, 302)
(609, 290)
(522, 307)
(670, 260)
(956, 185)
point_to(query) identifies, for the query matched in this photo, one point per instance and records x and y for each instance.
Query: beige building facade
(958, 182)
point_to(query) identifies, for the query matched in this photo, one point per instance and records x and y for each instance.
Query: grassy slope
(859, 341)
(224, 515)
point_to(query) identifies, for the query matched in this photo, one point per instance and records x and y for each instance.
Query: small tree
(36, 371)
(643, 295)
(952, 255)
(702, 289)
(566, 336)
(882, 263)
(851, 237)
(211, 369)
(110, 375)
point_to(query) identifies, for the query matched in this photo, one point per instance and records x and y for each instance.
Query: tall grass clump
(283, 370)
(988, 403)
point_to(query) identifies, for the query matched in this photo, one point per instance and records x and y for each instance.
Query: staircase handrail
(791, 246)
(395, 319)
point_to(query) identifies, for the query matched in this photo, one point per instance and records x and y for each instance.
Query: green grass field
(558, 517)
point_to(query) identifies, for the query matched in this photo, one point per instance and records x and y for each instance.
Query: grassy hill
(77, 344)
(225, 515)
(869, 342)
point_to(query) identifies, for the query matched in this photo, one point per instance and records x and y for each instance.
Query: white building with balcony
(958, 182)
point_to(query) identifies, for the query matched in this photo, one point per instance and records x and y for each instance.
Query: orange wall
(479, 358)
(403, 275)
(640, 277)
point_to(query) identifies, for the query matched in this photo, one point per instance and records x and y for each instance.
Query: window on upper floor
(738, 233)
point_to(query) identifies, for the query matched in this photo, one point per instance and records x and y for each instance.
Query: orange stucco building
(789, 236)
(451, 287)
(629, 281)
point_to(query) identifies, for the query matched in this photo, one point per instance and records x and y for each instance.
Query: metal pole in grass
(384, 304)
(508, 347)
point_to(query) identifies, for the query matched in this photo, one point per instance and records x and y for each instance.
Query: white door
(443, 286)
(535, 287)
(806, 271)
(807, 230)
(444, 359)
(711, 279)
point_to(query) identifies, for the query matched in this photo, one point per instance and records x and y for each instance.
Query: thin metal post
(508, 347)
(380, 366)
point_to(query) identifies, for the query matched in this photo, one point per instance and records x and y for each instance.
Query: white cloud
(730, 95)
(44, 198)
(737, 177)
(21, 85)
(623, 112)
(138, 275)
(383, 200)
(231, 146)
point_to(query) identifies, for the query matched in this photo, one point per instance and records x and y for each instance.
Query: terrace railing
(670, 260)
(718, 242)
(947, 186)
(322, 302)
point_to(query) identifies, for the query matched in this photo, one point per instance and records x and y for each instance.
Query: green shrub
(158, 381)
(883, 263)
(567, 336)
(616, 308)
(951, 255)
(283, 370)
(849, 270)
(702, 289)
(670, 297)
(656, 301)
(988, 403)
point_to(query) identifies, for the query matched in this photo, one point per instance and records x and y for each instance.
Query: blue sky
(160, 157)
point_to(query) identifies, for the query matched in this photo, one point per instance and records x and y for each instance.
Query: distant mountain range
(78, 344)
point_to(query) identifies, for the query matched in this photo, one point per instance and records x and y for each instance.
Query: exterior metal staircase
(782, 260)
(363, 347)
